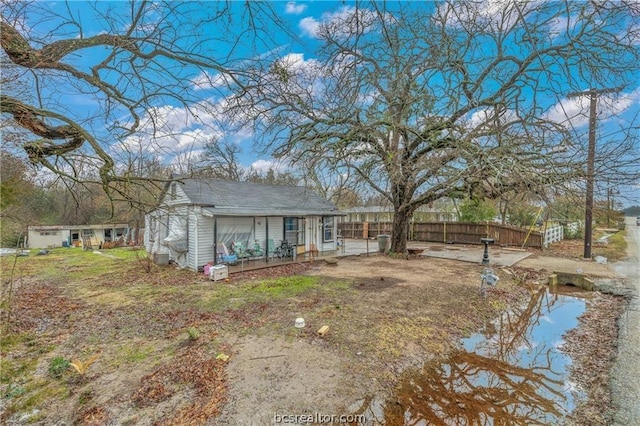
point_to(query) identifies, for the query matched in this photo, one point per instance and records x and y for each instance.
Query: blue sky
(182, 132)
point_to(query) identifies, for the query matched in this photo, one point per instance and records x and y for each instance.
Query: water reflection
(512, 374)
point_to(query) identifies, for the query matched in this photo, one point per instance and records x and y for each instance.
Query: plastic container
(383, 241)
(218, 272)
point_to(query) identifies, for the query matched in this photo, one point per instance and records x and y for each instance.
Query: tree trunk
(503, 211)
(400, 231)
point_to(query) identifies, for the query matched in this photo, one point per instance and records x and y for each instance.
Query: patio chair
(313, 250)
(271, 247)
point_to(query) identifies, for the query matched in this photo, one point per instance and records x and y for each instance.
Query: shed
(197, 219)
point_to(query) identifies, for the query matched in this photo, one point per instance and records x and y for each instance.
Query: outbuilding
(202, 220)
(49, 236)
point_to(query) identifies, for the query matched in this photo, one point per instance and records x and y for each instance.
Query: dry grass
(614, 250)
(74, 304)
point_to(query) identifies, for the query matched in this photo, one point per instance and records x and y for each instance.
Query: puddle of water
(512, 373)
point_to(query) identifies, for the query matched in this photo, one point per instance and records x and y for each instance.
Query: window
(327, 228)
(44, 233)
(291, 230)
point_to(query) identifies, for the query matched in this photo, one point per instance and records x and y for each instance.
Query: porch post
(215, 240)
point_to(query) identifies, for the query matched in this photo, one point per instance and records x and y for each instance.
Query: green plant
(523, 215)
(14, 390)
(57, 366)
(477, 211)
(573, 233)
(193, 333)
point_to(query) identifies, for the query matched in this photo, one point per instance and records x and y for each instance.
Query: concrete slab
(349, 247)
(497, 255)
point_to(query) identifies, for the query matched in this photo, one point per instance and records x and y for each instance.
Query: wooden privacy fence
(448, 232)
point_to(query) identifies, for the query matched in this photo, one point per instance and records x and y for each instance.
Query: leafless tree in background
(444, 100)
(143, 63)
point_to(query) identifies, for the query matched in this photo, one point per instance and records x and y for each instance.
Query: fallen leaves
(195, 369)
(592, 348)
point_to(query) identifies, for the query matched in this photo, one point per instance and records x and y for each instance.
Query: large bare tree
(130, 65)
(424, 101)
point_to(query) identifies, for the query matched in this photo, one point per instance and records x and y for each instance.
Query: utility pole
(591, 155)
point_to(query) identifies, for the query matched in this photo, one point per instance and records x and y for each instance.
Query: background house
(49, 236)
(440, 211)
(196, 215)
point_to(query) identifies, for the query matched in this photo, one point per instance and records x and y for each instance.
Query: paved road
(625, 380)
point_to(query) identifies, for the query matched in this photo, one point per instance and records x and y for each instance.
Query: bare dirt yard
(92, 339)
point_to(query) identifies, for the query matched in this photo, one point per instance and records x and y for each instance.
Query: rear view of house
(198, 219)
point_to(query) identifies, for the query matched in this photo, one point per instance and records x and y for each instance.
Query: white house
(440, 211)
(196, 215)
(48, 236)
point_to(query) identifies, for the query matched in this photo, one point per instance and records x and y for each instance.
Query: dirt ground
(170, 347)
(398, 317)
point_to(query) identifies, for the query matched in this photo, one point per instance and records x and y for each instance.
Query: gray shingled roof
(232, 198)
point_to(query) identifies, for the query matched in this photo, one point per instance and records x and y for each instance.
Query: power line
(591, 155)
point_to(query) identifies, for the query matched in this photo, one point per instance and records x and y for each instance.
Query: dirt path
(274, 376)
(625, 381)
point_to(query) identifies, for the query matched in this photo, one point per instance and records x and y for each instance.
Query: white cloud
(295, 9)
(557, 26)
(296, 62)
(487, 116)
(346, 21)
(209, 81)
(492, 13)
(309, 26)
(574, 111)
(263, 166)
(182, 162)
(169, 131)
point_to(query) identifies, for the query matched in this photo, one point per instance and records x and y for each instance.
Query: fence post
(445, 233)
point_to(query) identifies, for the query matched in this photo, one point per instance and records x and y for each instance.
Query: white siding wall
(261, 231)
(192, 226)
(147, 232)
(180, 196)
(55, 239)
(276, 229)
(204, 231)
